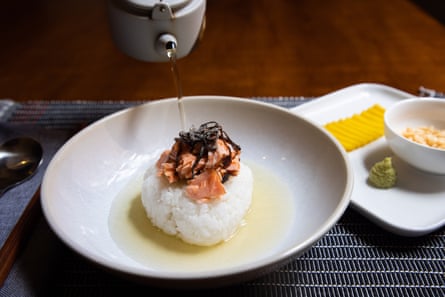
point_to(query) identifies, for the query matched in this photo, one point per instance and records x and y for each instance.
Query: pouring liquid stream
(171, 53)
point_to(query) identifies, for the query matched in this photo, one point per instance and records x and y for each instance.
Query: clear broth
(265, 228)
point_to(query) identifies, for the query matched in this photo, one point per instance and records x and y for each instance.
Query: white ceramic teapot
(146, 29)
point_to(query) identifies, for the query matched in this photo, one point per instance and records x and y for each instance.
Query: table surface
(62, 49)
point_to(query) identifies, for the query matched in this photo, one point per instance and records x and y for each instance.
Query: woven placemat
(355, 258)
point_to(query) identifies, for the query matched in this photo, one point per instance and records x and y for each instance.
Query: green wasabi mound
(383, 175)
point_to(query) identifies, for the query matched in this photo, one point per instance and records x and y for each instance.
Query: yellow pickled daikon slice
(359, 129)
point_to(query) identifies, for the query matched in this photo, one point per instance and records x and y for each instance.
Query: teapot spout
(166, 44)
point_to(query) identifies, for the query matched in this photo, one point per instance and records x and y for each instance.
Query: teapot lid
(149, 4)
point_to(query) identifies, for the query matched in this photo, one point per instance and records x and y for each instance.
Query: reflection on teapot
(146, 29)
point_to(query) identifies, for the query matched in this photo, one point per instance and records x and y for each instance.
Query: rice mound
(205, 224)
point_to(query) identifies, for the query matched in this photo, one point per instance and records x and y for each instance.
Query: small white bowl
(413, 113)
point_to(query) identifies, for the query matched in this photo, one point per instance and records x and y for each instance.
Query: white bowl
(413, 113)
(102, 165)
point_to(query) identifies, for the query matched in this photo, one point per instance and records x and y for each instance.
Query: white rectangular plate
(416, 205)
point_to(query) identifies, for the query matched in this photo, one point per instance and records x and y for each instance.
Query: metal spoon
(19, 159)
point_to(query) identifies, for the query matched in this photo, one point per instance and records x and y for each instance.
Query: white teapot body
(142, 28)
